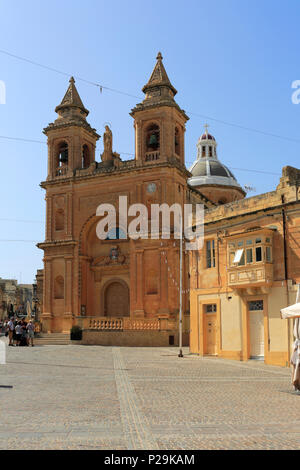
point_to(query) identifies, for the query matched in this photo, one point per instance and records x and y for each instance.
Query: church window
(177, 141)
(59, 287)
(116, 234)
(85, 156)
(210, 151)
(203, 151)
(153, 138)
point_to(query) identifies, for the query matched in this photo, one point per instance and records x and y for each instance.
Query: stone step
(53, 338)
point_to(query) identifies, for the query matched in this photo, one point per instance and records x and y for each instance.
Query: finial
(72, 80)
(159, 56)
(206, 127)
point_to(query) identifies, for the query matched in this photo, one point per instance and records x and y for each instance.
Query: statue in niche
(107, 140)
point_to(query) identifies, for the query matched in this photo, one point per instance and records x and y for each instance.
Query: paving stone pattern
(92, 397)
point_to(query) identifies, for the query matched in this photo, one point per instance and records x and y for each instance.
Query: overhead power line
(51, 69)
(21, 139)
(114, 90)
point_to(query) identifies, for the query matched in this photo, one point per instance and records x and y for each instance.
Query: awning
(293, 311)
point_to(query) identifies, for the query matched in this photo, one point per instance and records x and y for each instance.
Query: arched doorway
(116, 299)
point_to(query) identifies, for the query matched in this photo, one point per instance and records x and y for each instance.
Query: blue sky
(231, 60)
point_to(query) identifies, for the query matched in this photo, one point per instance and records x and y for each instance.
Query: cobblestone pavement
(91, 397)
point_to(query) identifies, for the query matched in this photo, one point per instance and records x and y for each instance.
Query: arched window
(153, 138)
(85, 156)
(60, 219)
(203, 151)
(59, 287)
(210, 151)
(62, 154)
(116, 234)
(177, 141)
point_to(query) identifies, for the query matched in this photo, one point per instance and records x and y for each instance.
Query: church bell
(153, 141)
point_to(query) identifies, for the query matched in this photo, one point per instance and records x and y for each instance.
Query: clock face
(151, 188)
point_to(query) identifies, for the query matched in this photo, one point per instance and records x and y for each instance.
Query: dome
(207, 137)
(207, 170)
(209, 167)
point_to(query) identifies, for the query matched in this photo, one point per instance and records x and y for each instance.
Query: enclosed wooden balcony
(251, 276)
(250, 259)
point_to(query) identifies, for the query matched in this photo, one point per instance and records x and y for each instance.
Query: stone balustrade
(141, 324)
(152, 156)
(105, 324)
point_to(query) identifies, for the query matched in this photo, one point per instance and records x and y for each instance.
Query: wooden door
(116, 300)
(210, 334)
(256, 322)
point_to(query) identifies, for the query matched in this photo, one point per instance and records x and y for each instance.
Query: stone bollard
(2, 353)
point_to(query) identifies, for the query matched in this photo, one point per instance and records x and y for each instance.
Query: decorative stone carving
(114, 258)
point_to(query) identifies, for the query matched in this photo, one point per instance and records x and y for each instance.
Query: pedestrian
(11, 329)
(295, 362)
(30, 330)
(24, 337)
(18, 330)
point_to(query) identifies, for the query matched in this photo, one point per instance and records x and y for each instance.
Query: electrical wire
(114, 90)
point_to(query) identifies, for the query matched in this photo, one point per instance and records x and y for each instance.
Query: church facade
(119, 290)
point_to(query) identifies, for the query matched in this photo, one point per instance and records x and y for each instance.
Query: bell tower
(71, 140)
(158, 121)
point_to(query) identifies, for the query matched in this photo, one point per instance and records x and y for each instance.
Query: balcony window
(258, 254)
(249, 251)
(239, 254)
(268, 254)
(249, 256)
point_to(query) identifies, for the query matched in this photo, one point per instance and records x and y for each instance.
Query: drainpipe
(286, 273)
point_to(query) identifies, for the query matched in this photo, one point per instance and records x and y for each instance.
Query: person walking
(30, 330)
(11, 329)
(19, 330)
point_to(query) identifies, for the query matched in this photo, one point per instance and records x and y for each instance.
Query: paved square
(92, 397)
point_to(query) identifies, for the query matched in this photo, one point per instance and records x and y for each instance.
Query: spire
(159, 77)
(71, 100)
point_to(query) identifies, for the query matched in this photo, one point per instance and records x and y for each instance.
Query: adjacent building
(248, 270)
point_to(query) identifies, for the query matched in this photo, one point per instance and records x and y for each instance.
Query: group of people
(19, 332)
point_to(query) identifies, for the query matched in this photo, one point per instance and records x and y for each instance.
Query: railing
(152, 156)
(125, 323)
(106, 324)
(141, 324)
(258, 274)
(131, 324)
(62, 171)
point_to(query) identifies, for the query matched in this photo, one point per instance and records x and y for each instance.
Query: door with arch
(116, 299)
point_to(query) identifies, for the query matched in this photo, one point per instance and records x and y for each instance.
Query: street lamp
(180, 288)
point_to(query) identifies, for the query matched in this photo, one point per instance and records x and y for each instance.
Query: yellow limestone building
(247, 270)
